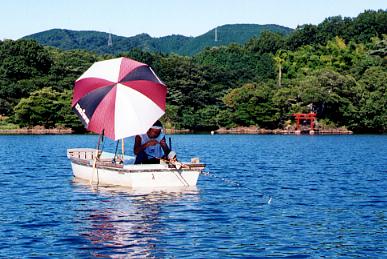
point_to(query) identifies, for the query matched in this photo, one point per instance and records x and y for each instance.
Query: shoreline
(239, 130)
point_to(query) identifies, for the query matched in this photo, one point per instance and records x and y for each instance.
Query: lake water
(266, 196)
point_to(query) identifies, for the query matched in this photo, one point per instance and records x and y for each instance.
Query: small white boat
(120, 98)
(103, 171)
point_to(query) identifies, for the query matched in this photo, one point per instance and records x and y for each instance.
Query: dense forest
(178, 44)
(336, 68)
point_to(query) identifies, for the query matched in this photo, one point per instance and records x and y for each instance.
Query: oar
(100, 138)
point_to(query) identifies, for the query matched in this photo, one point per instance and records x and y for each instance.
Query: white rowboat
(104, 172)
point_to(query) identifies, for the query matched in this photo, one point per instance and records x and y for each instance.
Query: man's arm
(138, 147)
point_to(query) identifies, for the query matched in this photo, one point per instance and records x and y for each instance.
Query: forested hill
(179, 44)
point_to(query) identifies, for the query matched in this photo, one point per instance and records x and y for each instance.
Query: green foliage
(38, 109)
(303, 35)
(233, 65)
(335, 55)
(328, 92)
(359, 29)
(24, 66)
(46, 107)
(5, 124)
(5, 106)
(371, 101)
(23, 59)
(253, 105)
(233, 62)
(27, 66)
(208, 118)
(267, 42)
(185, 79)
(171, 116)
(68, 66)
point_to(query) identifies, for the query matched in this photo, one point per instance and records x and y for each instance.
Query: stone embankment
(239, 130)
(177, 131)
(256, 130)
(36, 131)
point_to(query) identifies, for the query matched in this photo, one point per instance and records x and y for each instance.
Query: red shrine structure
(305, 117)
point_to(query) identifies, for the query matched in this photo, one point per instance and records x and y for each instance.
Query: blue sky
(164, 17)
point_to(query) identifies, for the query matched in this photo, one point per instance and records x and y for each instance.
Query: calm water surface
(299, 197)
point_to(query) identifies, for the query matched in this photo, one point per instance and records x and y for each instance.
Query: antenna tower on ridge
(110, 41)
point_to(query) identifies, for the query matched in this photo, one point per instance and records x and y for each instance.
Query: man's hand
(151, 142)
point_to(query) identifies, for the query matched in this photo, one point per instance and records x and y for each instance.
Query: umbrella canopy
(121, 96)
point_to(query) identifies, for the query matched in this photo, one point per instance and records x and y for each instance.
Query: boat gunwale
(121, 169)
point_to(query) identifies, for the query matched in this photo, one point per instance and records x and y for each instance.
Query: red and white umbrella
(121, 96)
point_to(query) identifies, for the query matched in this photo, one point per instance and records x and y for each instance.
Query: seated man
(149, 148)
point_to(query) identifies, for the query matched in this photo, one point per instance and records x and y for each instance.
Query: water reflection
(128, 223)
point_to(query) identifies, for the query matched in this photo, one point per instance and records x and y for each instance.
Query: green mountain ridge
(98, 41)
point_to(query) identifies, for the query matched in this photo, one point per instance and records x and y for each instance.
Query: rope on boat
(237, 184)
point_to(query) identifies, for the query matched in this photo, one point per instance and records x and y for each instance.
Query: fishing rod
(238, 184)
(170, 143)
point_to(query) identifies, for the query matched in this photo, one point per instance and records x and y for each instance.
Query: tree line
(336, 68)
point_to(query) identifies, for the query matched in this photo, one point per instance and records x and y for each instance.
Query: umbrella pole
(123, 149)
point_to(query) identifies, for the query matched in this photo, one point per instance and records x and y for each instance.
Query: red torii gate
(305, 116)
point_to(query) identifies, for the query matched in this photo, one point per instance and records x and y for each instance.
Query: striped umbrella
(121, 97)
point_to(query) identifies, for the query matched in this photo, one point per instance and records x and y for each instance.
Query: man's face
(153, 133)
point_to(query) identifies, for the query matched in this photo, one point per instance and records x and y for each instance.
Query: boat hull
(135, 176)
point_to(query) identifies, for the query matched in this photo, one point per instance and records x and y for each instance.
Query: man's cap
(157, 125)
